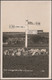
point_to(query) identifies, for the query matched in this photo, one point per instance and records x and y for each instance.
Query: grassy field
(26, 66)
(36, 66)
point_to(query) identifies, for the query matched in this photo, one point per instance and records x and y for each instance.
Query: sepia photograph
(26, 39)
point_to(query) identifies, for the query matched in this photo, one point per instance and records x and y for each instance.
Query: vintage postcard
(26, 40)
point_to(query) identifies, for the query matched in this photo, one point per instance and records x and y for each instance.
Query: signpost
(27, 31)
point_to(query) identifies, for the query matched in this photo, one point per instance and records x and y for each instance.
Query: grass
(36, 63)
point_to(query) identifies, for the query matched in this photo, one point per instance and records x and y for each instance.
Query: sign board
(32, 32)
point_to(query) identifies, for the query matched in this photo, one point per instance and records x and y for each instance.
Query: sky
(17, 12)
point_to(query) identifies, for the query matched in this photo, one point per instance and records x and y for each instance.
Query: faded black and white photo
(26, 31)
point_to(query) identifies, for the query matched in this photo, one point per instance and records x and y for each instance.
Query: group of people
(25, 52)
